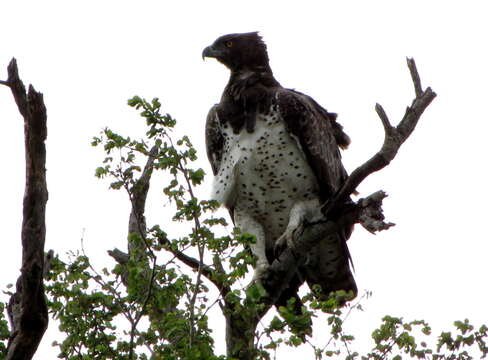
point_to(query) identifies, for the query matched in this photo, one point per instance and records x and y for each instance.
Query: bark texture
(27, 309)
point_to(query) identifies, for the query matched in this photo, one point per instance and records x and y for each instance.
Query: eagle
(275, 155)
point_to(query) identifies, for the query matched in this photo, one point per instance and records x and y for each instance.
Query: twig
(415, 76)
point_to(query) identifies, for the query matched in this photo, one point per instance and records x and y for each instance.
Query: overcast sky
(89, 57)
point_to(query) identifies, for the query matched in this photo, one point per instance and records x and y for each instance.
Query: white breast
(264, 173)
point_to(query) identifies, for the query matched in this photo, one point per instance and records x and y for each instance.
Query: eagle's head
(246, 51)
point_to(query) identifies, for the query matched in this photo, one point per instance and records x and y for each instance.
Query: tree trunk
(240, 334)
(27, 308)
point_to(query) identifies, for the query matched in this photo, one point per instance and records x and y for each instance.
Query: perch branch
(366, 211)
(27, 309)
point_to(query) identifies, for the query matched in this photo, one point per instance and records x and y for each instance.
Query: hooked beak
(209, 51)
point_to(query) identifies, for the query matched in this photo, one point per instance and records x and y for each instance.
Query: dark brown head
(238, 52)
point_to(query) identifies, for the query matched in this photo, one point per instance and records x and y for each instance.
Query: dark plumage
(275, 156)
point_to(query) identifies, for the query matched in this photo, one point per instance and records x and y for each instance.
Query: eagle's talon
(284, 241)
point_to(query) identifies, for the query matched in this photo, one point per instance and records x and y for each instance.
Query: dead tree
(27, 309)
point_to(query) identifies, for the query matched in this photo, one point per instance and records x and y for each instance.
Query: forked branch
(394, 138)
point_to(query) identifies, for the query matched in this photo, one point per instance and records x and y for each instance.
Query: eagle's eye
(229, 43)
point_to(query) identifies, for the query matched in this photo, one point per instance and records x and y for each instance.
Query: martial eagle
(275, 156)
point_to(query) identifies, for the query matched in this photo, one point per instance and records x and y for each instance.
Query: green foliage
(4, 332)
(154, 303)
(145, 306)
(395, 337)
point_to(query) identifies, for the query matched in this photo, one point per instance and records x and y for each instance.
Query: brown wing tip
(343, 140)
(341, 137)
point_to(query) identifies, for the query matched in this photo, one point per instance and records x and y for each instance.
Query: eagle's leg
(302, 210)
(249, 225)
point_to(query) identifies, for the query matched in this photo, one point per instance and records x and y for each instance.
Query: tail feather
(329, 266)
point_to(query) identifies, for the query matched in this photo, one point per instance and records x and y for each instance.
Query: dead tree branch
(394, 138)
(366, 211)
(27, 309)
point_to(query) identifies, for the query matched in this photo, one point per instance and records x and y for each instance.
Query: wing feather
(319, 135)
(214, 139)
(320, 138)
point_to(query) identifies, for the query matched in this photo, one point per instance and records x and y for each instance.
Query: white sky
(89, 57)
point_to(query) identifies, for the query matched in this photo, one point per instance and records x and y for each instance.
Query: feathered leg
(301, 210)
(249, 225)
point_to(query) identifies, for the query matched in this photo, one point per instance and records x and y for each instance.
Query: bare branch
(367, 212)
(415, 76)
(27, 308)
(194, 264)
(394, 138)
(371, 217)
(384, 118)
